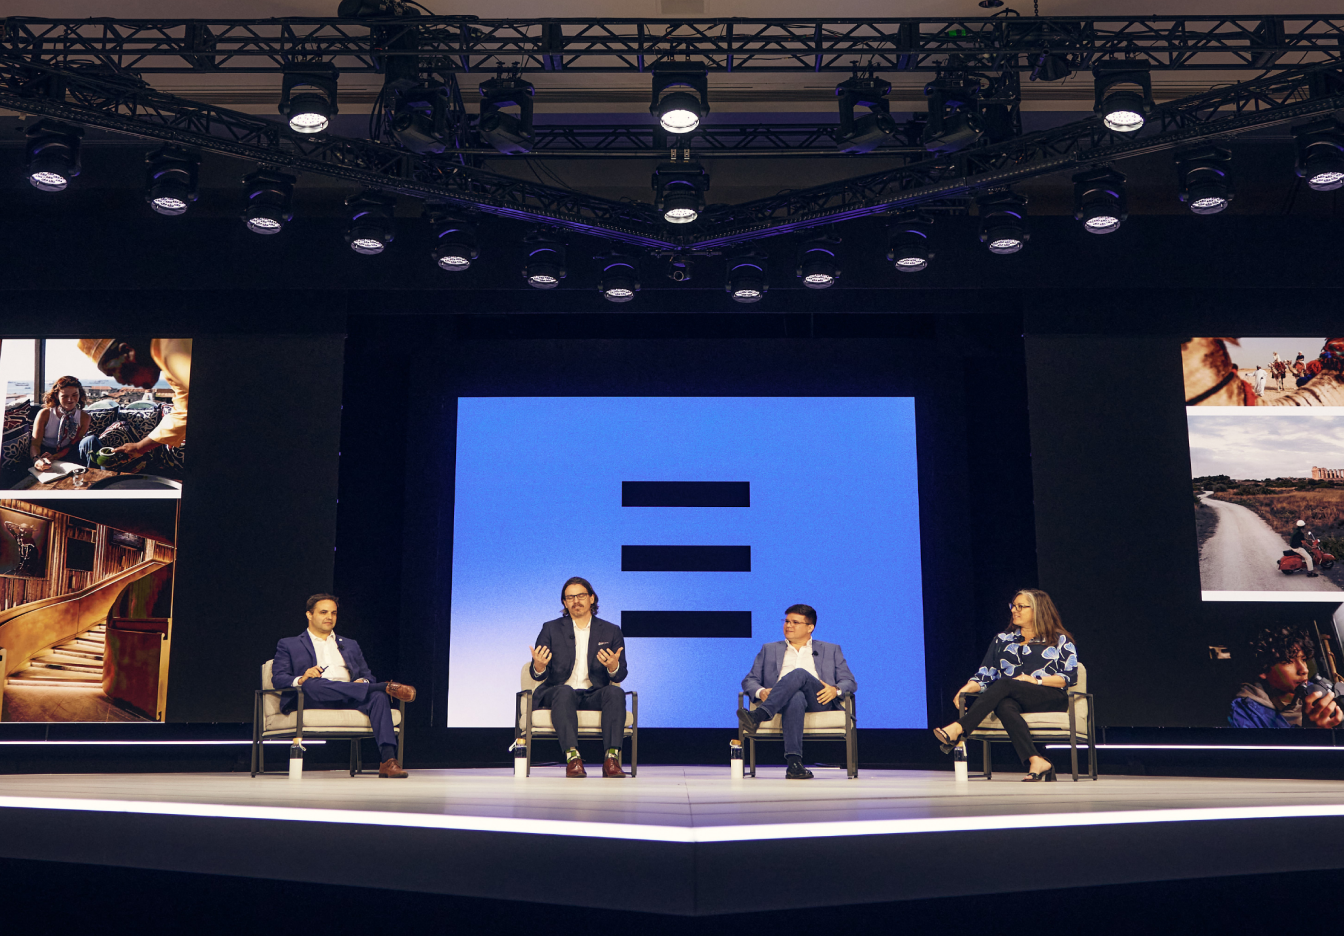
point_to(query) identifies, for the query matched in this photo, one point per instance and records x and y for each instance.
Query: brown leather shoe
(575, 768)
(391, 768)
(611, 767)
(401, 692)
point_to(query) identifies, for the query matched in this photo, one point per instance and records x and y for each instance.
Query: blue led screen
(832, 521)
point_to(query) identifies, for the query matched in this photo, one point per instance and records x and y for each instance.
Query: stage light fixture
(544, 267)
(1320, 154)
(747, 277)
(908, 242)
(421, 119)
(52, 154)
(308, 96)
(1099, 200)
(680, 95)
(1051, 66)
(1003, 222)
(370, 227)
(454, 238)
(679, 189)
(1123, 93)
(954, 121)
(620, 277)
(170, 186)
(866, 133)
(1205, 181)
(511, 134)
(818, 267)
(269, 196)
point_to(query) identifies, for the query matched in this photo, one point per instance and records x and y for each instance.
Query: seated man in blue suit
(333, 675)
(795, 676)
(579, 659)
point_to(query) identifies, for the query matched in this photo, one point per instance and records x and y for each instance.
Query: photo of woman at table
(61, 424)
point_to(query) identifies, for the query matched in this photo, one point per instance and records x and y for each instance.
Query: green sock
(571, 754)
(614, 752)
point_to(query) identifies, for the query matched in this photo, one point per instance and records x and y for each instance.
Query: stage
(681, 840)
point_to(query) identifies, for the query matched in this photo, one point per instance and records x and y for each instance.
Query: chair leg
(261, 757)
(354, 749)
(1073, 740)
(527, 771)
(989, 761)
(634, 752)
(752, 742)
(401, 737)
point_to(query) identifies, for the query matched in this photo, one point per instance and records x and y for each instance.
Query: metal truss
(95, 98)
(469, 44)
(708, 140)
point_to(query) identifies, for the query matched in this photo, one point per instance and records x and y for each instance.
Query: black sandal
(945, 742)
(1045, 776)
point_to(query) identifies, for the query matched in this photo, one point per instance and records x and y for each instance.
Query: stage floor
(679, 840)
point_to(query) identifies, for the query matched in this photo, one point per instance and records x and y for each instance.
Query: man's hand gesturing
(541, 659)
(311, 672)
(612, 661)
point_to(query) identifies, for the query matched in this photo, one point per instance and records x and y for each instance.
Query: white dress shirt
(578, 679)
(328, 655)
(795, 659)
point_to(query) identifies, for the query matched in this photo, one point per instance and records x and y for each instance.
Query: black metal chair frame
(1047, 734)
(851, 736)
(523, 712)
(354, 737)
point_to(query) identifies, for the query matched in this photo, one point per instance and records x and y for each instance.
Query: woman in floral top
(1028, 668)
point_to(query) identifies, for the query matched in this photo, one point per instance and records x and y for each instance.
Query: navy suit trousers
(565, 702)
(793, 697)
(369, 698)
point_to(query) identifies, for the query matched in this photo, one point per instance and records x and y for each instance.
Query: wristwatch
(1039, 680)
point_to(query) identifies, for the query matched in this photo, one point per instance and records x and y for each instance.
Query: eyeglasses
(575, 597)
(787, 623)
(1018, 607)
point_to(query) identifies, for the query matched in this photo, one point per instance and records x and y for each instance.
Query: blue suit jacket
(293, 655)
(827, 657)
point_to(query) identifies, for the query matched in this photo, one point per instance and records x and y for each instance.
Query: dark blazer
(826, 657)
(293, 655)
(558, 635)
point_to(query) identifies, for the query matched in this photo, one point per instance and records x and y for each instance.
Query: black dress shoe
(750, 720)
(797, 772)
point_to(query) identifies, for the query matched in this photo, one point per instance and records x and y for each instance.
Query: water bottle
(735, 759)
(296, 760)
(519, 759)
(959, 766)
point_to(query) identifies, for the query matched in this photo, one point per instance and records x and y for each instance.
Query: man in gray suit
(792, 677)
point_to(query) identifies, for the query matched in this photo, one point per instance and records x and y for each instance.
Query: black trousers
(1009, 699)
(565, 702)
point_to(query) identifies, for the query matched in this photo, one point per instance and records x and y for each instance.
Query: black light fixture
(544, 266)
(1003, 222)
(866, 133)
(52, 154)
(269, 197)
(455, 244)
(511, 134)
(1099, 200)
(620, 277)
(421, 119)
(747, 277)
(679, 189)
(908, 240)
(308, 96)
(1051, 66)
(1320, 154)
(170, 186)
(1123, 94)
(954, 121)
(680, 95)
(818, 266)
(370, 226)
(680, 268)
(1205, 180)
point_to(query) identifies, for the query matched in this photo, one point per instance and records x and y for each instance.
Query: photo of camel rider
(1282, 695)
(1296, 545)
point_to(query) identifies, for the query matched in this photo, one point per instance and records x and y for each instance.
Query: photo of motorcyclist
(1283, 694)
(1295, 544)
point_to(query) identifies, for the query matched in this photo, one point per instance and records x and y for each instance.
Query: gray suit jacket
(827, 657)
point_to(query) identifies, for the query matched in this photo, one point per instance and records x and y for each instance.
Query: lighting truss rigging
(93, 98)
(470, 44)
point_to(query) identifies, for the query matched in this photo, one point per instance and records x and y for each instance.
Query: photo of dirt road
(1243, 553)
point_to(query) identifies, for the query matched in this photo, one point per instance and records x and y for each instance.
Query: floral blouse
(1008, 657)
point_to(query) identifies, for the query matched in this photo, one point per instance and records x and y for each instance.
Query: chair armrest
(262, 692)
(961, 701)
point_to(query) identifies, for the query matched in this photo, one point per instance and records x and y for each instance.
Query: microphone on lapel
(815, 653)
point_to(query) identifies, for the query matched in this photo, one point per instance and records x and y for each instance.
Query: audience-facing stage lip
(678, 835)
